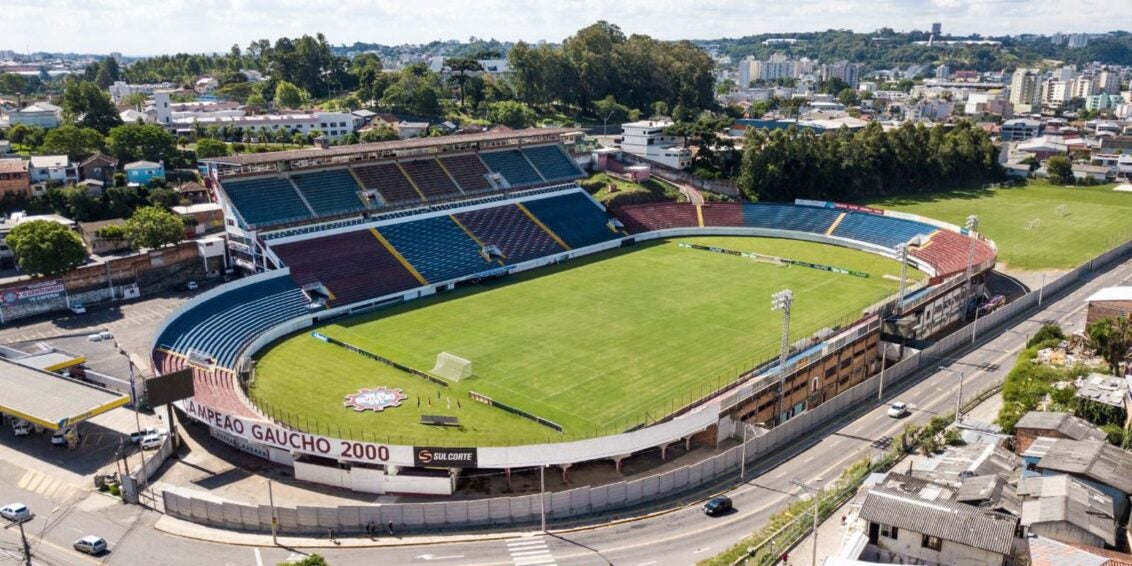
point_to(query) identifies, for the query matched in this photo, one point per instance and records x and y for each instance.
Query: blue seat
(881, 230)
(553, 163)
(574, 217)
(437, 248)
(789, 217)
(330, 192)
(513, 166)
(267, 200)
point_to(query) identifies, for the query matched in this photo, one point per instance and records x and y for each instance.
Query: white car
(898, 409)
(136, 437)
(90, 544)
(151, 441)
(15, 512)
(192, 286)
(59, 438)
(78, 308)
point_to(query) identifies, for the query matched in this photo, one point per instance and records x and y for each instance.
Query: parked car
(991, 305)
(21, 427)
(59, 438)
(192, 286)
(15, 512)
(136, 437)
(898, 409)
(717, 506)
(90, 544)
(151, 441)
(78, 308)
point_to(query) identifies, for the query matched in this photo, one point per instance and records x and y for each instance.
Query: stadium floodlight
(782, 301)
(971, 225)
(916, 241)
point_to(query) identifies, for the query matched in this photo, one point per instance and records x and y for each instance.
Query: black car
(717, 506)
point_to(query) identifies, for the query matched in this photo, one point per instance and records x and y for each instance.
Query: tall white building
(1025, 90)
(1107, 82)
(844, 70)
(1082, 87)
(647, 139)
(1078, 40)
(1055, 92)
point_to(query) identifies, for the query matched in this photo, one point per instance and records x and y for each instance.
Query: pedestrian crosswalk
(47, 486)
(530, 550)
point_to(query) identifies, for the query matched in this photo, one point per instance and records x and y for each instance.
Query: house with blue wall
(141, 172)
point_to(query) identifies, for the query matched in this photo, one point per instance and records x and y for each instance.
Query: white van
(21, 427)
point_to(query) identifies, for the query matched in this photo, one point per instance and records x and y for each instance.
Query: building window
(887, 531)
(814, 385)
(933, 543)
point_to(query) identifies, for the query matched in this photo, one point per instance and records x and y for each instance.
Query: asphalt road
(681, 537)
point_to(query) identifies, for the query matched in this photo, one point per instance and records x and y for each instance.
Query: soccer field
(597, 344)
(1036, 227)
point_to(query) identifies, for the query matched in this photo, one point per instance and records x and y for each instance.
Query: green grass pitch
(597, 344)
(1036, 227)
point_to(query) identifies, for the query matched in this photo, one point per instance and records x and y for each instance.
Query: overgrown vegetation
(1030, 382)
(614, 192)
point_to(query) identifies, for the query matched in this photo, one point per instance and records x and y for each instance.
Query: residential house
(97, 243)
(920, 529)
(201, 218)
(1109, 302)
(141, 172)
(991, 492)
(646, 138)
(406, 130)
(5, 147)
(98, 167)
(1100, 394)
(42, 114)
(52, 168)
(1094, 462)
(193, 191)
(14, 176)
(1067, 510)
(1044, 551)
(206, 85)
(93, 187)
(1052, 425)
(1019, 129)
(1096, 173)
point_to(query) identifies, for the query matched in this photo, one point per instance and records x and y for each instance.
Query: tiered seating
(387, 179)
(330, 192)
(881, 230)
(224, 324)
(552, 162)
(507, 227)
(216, 389)
(267, 200)
(722, 214)
(789, 217)
(354, 266)
(948, 252)
(658, 216)
(430, 179)
(513, 166)
(468, 171)
(437, 248)
(574, 217)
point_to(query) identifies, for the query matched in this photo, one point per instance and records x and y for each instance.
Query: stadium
(416, 308)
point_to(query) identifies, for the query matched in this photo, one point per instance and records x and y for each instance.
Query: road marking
(649, 563)
(259, 559)
(807, 461)
(530, 551)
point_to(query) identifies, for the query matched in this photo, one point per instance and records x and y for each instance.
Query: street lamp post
(883, 358)
(605, 123)
(959, 395)
(743, 458)
(782, 301)
(971, 225)
(542, 495)
(817, 499)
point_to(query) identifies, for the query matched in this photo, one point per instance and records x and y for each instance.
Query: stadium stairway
(353, 266)
(390, 183)
(267, 200)
(512, 166)
(437, 247)
(468, 172)
(553, 163)
(507, 227)
(330, 192)
(574, 218)
(430, 179)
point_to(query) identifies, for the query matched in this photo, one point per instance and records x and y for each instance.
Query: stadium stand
(658, 216)
(948, 252)
(222, 325)
(513, 166)
(552, 162)
(353, 266)
(437, 247)
(881, 230)
(789, 217)
(508, 227)
(573, 217)
(432, 181)
(330, 192)
(468, 171)
(389, 182)
(722, 214)
(267, 200)
(216, 389)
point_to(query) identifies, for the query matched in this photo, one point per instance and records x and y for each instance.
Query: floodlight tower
(781, 301)
(971, 225)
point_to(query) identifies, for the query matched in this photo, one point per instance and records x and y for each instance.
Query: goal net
(451, 367)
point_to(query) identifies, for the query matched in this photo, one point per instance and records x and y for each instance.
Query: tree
(288, 95)
(380, 133)
(1112, 339)
(207, 148)
(153, 227)
(151, 142)
(312, 560)
(43, 247)
(511, 113)
(74, 141)
(1060, 170)
(32, 136)
(608, 109)
(848, 97)
(165, 198)
(460, 68)
(90, 106)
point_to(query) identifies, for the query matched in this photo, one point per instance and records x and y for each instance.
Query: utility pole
(274, 518)
(817, 491)
(27, 549)
(743, 459)
(542, 495)
(883, 358)
(971, 225)
(959, 394)
(782, 301)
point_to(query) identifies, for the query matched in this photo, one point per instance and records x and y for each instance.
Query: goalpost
(451, 367)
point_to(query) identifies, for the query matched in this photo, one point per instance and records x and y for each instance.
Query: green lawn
(1036, 227)
(594, 345)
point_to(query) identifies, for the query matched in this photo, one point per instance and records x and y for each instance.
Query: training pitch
(597, 345)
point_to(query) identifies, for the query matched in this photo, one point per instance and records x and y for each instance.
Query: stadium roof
(50, 400)
(272, 157)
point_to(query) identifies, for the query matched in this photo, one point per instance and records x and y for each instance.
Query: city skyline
(143, 28)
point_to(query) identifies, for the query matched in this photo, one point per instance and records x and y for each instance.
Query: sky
(150, 27)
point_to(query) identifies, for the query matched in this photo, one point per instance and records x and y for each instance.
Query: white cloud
(168, 26)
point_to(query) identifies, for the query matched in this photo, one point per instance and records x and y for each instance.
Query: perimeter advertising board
(33, 293)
